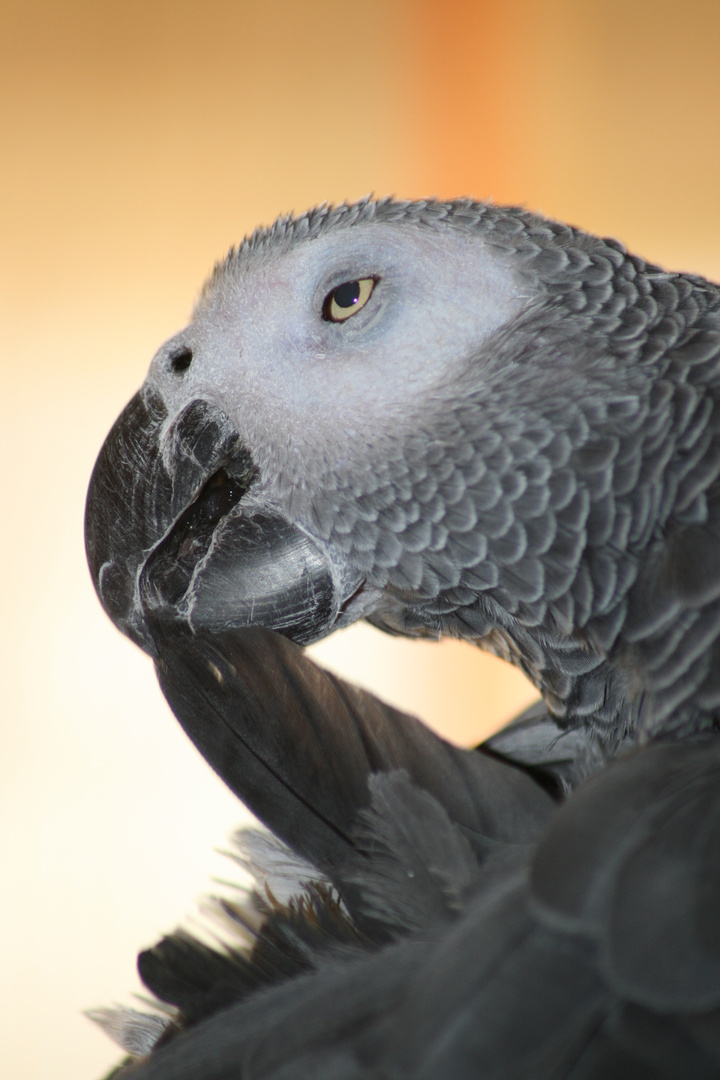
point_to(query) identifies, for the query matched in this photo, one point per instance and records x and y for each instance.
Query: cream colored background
(138, 140)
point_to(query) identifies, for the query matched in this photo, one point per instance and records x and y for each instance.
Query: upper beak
(171, 532)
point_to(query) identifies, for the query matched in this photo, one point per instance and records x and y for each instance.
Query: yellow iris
(347, 299)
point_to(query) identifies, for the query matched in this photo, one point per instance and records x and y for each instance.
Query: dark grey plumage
(472, 929)
(535, 467)
(514, 438)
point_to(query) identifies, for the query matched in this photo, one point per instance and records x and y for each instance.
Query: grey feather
(595, 955)
(515, 441)
(505, 430)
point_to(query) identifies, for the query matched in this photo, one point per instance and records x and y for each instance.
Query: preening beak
(172, 532)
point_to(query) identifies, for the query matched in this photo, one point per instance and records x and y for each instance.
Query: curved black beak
(172, 533)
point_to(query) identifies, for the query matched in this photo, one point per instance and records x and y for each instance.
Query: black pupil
(348, 294)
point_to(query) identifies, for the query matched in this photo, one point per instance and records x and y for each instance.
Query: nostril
(181, 360)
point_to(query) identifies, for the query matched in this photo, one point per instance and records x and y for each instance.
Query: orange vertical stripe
(472, 81)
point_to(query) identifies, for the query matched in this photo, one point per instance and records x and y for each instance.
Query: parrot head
(445, 418)
(261, 438)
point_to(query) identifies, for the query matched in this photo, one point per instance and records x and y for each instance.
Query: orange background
(138, 141)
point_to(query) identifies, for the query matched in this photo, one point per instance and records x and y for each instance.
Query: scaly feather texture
(446, 418)
(514, 439)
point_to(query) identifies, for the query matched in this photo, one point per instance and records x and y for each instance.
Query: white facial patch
(299, 386)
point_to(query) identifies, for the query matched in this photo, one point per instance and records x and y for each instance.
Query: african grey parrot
(447, 418)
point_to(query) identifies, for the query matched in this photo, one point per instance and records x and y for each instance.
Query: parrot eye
(346, 299)
(181, 360)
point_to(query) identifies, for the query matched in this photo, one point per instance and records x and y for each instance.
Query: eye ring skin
(346, 299)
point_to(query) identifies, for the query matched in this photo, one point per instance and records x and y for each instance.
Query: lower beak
(174, 532)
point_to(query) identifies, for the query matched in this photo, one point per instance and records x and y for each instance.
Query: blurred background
(138, 141)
